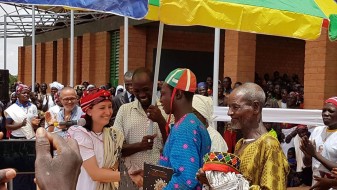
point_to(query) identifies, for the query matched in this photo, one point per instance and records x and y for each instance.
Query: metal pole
(33, 48)
(216, 69)
(72, 48)
(156, 71)
(5, 41)
(126, 44)
(10, 184)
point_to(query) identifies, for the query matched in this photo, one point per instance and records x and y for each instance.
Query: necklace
(97, 134)
(327, 134)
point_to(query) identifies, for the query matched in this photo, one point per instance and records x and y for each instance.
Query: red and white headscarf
(21, 87)
(93, 97)
(332, 100)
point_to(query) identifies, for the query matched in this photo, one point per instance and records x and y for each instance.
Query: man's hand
(58, 171)
(147, 142)
(5, 176)
(201, 177)
(154, 113)
(323, 183)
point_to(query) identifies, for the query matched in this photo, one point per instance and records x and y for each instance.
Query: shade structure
(135, 9)
(287, 18)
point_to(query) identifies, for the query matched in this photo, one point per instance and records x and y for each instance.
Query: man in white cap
(203, 109)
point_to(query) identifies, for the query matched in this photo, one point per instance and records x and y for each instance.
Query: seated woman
(99, 144)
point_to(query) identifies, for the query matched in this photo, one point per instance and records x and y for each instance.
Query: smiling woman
(100, 144)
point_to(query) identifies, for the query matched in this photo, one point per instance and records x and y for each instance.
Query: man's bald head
(251, 92)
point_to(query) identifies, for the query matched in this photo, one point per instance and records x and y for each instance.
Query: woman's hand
(137, 177)
(308, 147)
(323, 183)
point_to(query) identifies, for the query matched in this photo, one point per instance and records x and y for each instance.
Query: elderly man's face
(239, 110)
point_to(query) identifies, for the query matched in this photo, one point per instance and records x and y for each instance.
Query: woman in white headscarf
(203, 109)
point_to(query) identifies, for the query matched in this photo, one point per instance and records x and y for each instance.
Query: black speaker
(4, 85)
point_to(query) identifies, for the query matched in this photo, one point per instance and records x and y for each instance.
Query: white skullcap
(57, 85)
(204, 105)
(118, 88)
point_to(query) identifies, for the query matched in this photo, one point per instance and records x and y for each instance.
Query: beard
(236, 126)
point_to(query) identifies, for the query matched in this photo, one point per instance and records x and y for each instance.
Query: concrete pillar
(63, 61)
(40, 62)
(320, 71)
(240, 51)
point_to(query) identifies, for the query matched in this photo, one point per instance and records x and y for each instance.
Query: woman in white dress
(320, 149)
(100, 145)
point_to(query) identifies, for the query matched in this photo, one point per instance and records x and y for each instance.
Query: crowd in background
(281, 92)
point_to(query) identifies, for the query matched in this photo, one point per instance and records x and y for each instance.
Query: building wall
(285, 55)
(178, 40)
(314, 61)
(91, 60)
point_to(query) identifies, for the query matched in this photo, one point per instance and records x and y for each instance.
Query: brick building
(99, 55)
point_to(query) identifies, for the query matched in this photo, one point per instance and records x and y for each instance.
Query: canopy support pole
(216, 69)
(156, 71)
(5, 42)
(72, 25)
(126, 44)
(33, 48)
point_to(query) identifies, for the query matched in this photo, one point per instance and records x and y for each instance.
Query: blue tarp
(136, 9)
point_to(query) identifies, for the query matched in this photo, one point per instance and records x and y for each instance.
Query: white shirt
(31, 112)
(51, 103)
(326, 142)
(90, 145)
(218, 142)
(133, 122)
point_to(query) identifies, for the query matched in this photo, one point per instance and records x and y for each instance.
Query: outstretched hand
(58, 161)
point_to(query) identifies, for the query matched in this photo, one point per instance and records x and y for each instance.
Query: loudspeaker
(4, 85)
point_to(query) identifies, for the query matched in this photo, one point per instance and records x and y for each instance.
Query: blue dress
(184, 149)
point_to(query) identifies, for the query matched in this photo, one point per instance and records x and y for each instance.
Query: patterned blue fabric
(184, 149)
(131, 8)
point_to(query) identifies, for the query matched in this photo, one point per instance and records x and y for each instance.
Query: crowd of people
(122, 131)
